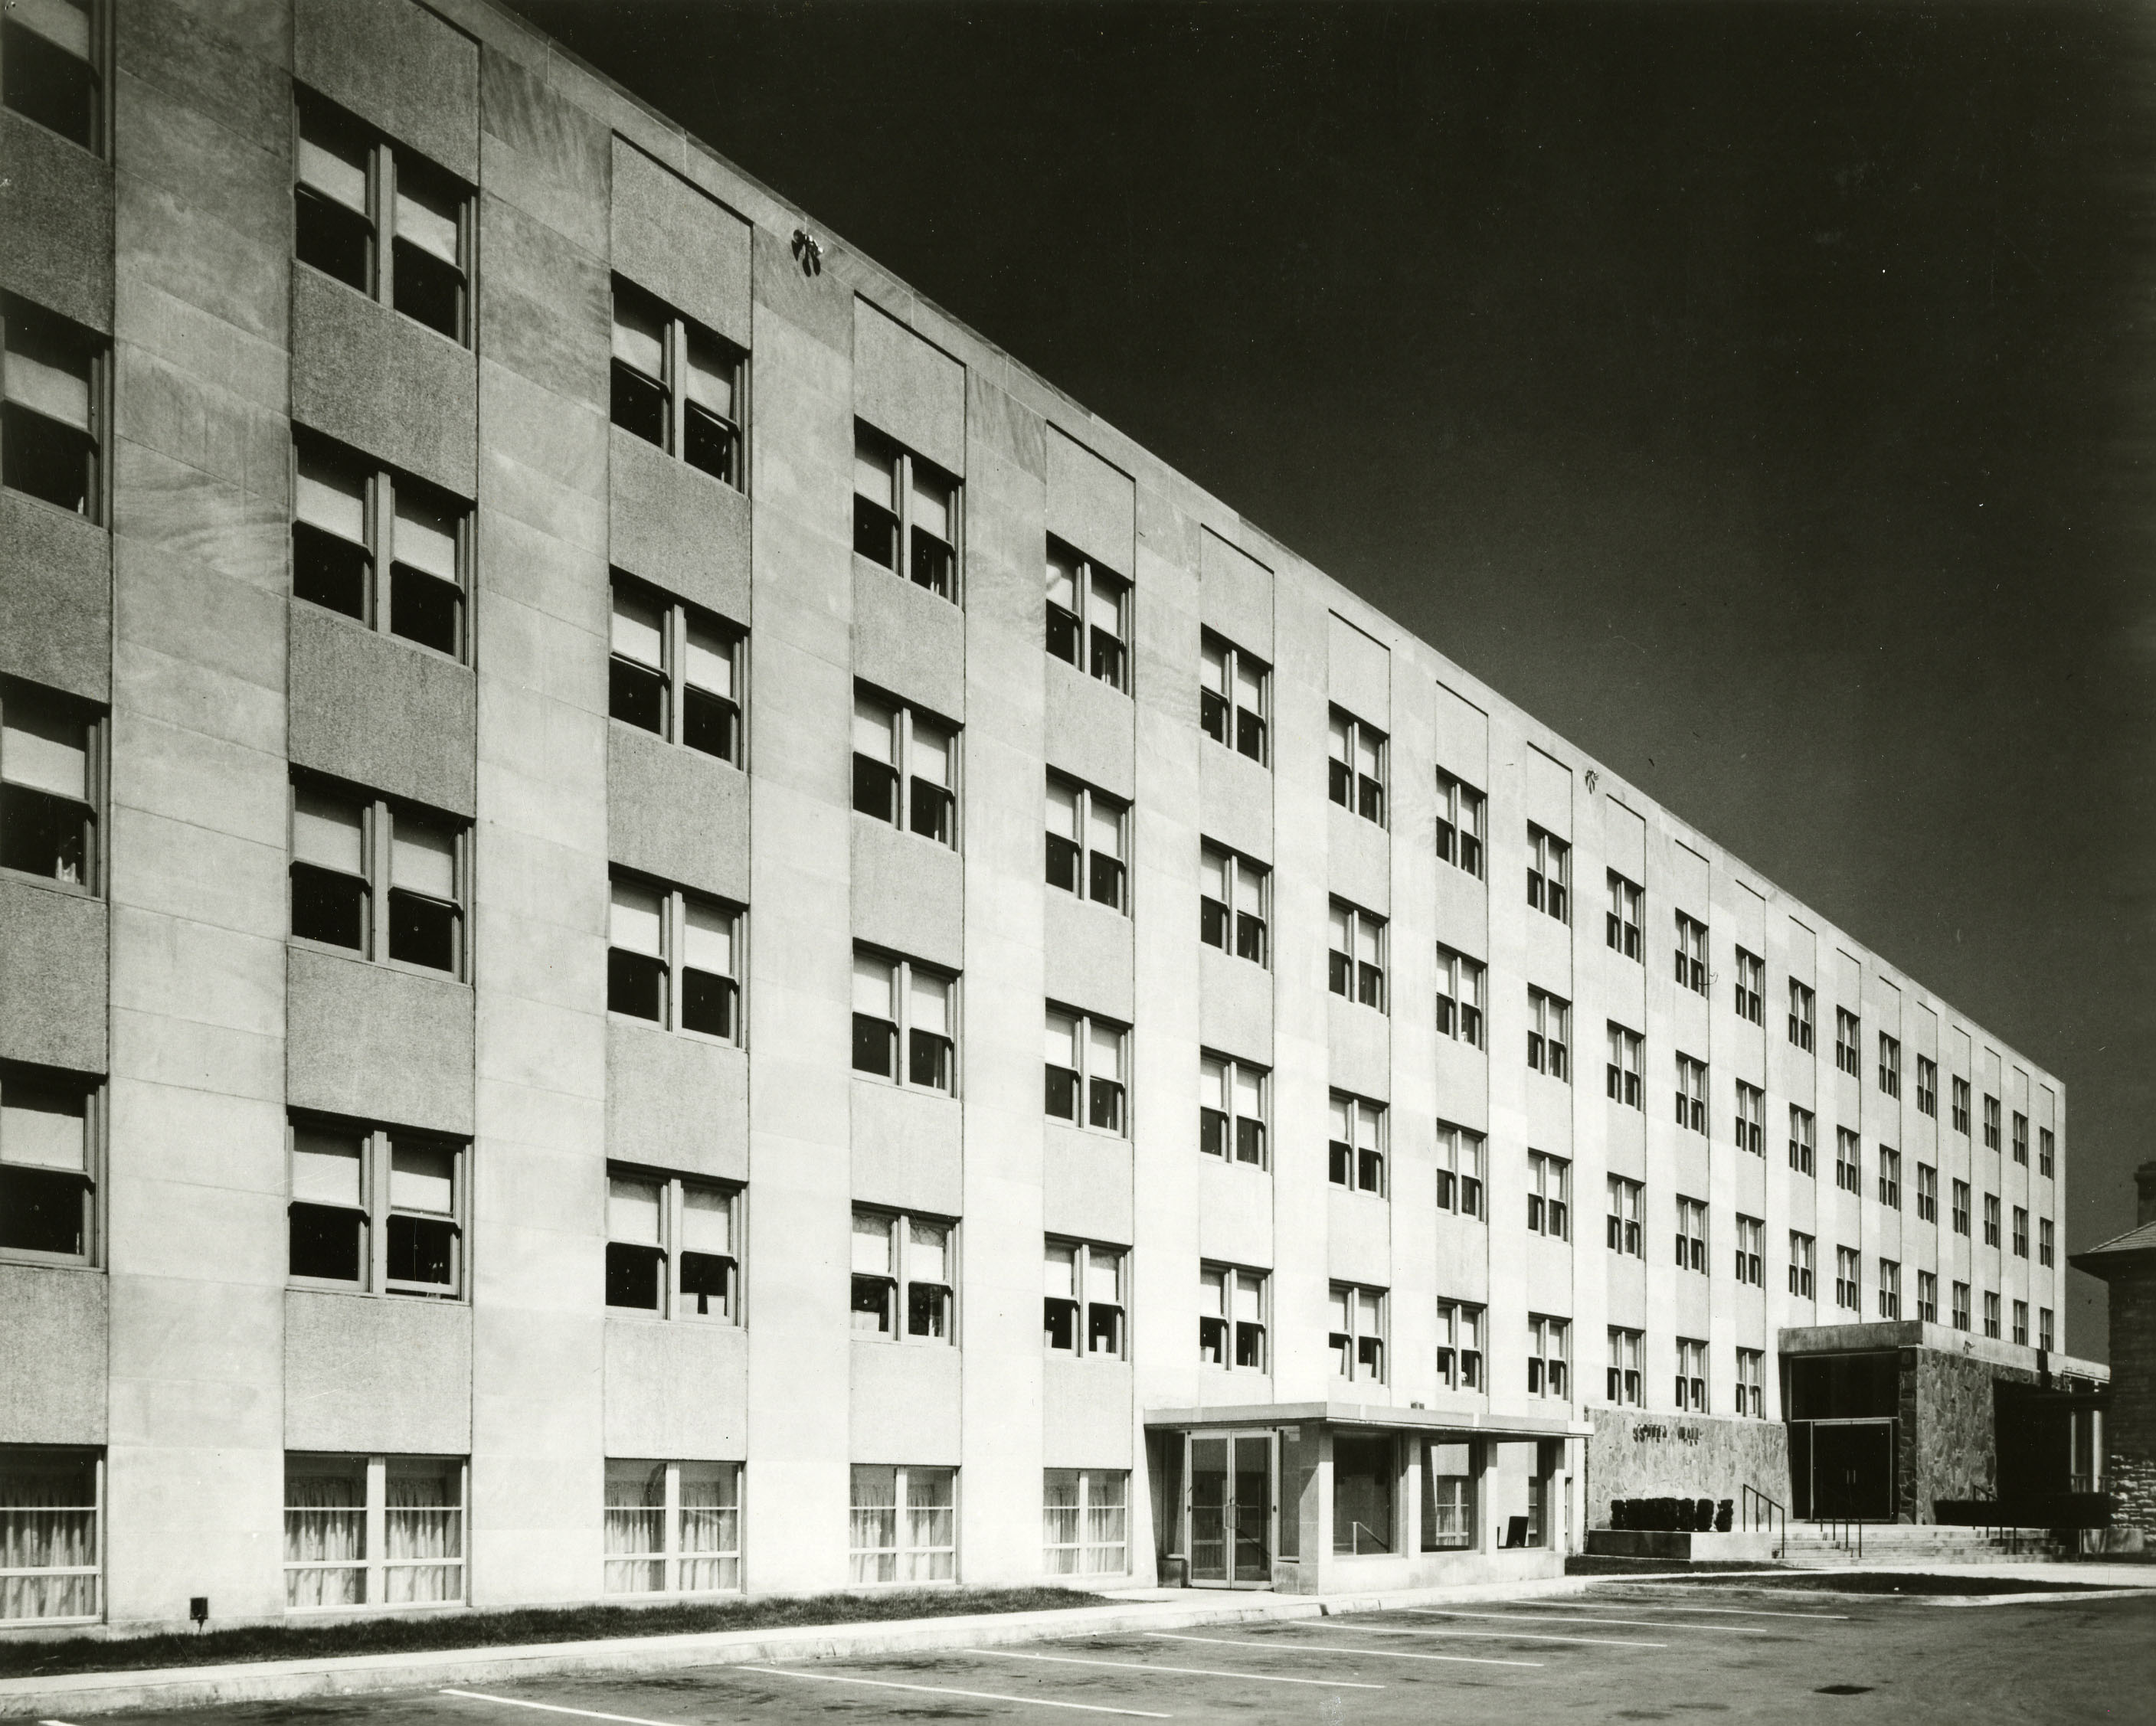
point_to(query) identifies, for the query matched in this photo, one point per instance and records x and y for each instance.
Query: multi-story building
(567, 742)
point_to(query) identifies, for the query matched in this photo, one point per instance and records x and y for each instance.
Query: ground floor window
(672, 1528)
(903, 1524)
(1448, 1495)
(1364, 1475)
(1538, 1495)
(373, 1531)
(1085, 1520)
(48, 1534)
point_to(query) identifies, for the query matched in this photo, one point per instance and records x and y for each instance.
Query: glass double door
(1231, 1509)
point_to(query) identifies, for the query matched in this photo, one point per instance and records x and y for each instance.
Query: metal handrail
(1838, 1530)
(1355, 1530)
(1760, 1511)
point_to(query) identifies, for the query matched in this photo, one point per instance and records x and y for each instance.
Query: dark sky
(1761, 395)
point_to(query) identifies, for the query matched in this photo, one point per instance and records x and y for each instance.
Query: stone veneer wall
(1949, 1444)
(1652, 1456)
(2130, 1423)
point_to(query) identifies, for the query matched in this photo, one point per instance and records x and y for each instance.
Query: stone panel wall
(2130, 1424)
(1653, 1456)
(1949, 1434)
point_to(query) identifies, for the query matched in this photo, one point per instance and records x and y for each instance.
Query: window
(1751, 1002)
(1928, 1193)
(1459, 984)
(1084, 1069)
(1801, 1133)
(1848, 1034)
(377, 1209)
(49, 1505)
(673, 958)
(2021, 1141)
(1961, 1105)
(1691, 1235)
(1231, 904)
(1549, 1195)
(1751, 1371)
(1366, 1474)
(373, 1531)
(672, 1528)
(1846, 1175)
(1991, 1316)
(1084, 1526)
(1622, 1234)
(1961, 1207)
(903, 1277)
(49, 61)
(1692, 1093)
(902, 1525)
(1751, 1261)
(677, 384)
(1231, 1317)
(1233, 695)
(1549, 873)
(1088, 835)
(1991, 1219)
(379, 218)
(1460, 1155)
(1991, 1123)
(1549, 1035)
(2020, 1236)
(50, 781)
(48, 1182)
(2047, 1149)
(1624, 1388)
(1621, 924)
(2046, 1246)
(1082, 1299)
(2020, 1333)
(674, 670)
(1692, 1376)
(1231, 1109)
(1800, 1265)
(672, 1246)
(1890, 1178)
(1357, 1336)
(1448, 1495)
(1890, 1289)
(1800, 1015)
(1089, 617)
(1960, 1310)
(1355, 967)
(900, 1004)
(1548, 1351)
(905, 768)
(51, 404)
(1928, 1086)
(2045, 1332)
(1621, 1078)
(1356, 1154)
(1459, 820)
(1691, 953)
(1356, 777)
(1751, 1119)
(1845, 1277)
(380, 547)
(384, 880)
(1459, 1345)
(906, 514)
(1927, 1297)
(1890, 1065)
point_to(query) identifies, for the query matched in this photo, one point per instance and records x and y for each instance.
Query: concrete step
(1887, 1544)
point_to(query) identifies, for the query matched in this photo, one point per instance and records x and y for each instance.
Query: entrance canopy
(1474, 1421)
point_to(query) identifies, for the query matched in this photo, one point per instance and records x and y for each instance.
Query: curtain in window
(873, 1525)
(710, 1528)
(1105, 1550)
(49, 1523)
(325, 1539)
(424, 1533)
(1058, 1521)
(635, 1528)
(931, 1532)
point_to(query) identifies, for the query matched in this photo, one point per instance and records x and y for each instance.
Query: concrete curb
(369, 1674)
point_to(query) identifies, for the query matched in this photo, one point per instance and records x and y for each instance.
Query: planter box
(1756, 1545)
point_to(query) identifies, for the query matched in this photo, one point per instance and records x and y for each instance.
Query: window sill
(876, 821)
(366, 628)
(402, 967)
(644, 1315)
(456, 344)
(50, 883)
(28, 1257)
(890, 1084)
(658, 1029)
(657, 737)
(360, 1614)
(877, 1340)
(36, 502)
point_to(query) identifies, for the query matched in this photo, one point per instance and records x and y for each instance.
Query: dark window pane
(428, 289)
(425, 608)
(928, 1059)
(1339, 782)
(329, 571)
(1213, 1132)
(1249, 1140)
(1104, 1329)
(707, 1003)
(1213, 715)
(422, 1249)
(41, 1210)
(329, 907)
(935, 563)
(1064, 861)
(1213, 922)
(931, 811)
(1250, 937)
(1062, 1093)
(1059, 1324)
(638, 404)
(633, 1274)
(875, 1046)
(1336, 968)
(1249, 1343)
(47, 83)
(872, 1296)
(636, 985)
(1250, 734)
(636, 694)
(1108, 880)
(1064, 631)
(1369, 1171)
(44, 835)
(1370, 986)
(876, 532)
(1470, 854)
(332, 237)
(707, 722)
(876, 788)
(1339, 1163)
(1370, 799)
(46, 459)
(325, 1242)
(707, 442)
(927, 1309)
(1107, 659)
(423, 931)
(705, 1277)
(1104, 1103)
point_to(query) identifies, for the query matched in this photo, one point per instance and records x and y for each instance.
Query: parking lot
(1623, 1652)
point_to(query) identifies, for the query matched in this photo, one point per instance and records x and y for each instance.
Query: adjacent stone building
(2128, 1264)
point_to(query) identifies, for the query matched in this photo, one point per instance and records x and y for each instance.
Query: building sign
(1658, 1434)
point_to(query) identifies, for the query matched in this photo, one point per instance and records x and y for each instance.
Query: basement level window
(50, 1504)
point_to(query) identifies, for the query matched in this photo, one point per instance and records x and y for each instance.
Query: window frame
(677, 620)
(1691, 1236)
(1849, 1042)
(1549, 1357)
(377, 1208)
(1346, 784)
(1849, 1160)
(1802, 1254)
(1693, 1393)
(1363, 1163)
(95, 59)
(672, 1251)
(1751, 1385)
(1751, 1119)
(1084, 1553)
(2047, 1154)
(1991, 1315)
(1463, 819)
(1890, 1178)
(1750, 1263)
(1087, 873)
(671, 960)
(1089, 1091)
(20, 317)
(1232, 1331)
(907, 1559)
(1691, 953)
(1462, 995)
(1086, 1310)
(1928, 1086)
(1238, 927)
(1749, 999)
(1993, 1221)
(2047, 1241)
(22, 1460)
(375, 1561)
(1549, 873)
(1624, 1073)
(1071, 635)
(1958, 1311)
(1623, 919)
(1221, 715)
(679, 335)
(1549, 1195)
(378, 485)
(1848, 1279)
(57, 707)
(1890, 1065)
(1927, 1297)
(1366, 1351)
(379, 814)
(2018, 1334)
(904, 784)
(90, 1216)
(674, 1555)
(1691, 1094)
(1622, 1233)
(2018, 1137)
(1461, 1355)
(899, 1311)
(2017, 1235)
(1549, 1050)
(1625, 1386)
(902, 527)
(1928, 1193)
(1462, 1173)
(1347, 974)
(1803, 1134)
(1889, 1296)
(1233, 1140)
(1961, 1106)
(904, 1055)
(1804, 1002)
(1960, 1195)
(1992, 1124)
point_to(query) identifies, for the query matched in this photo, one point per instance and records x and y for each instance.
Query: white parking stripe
(1748, 1630)
(1187, 1672)
(1170, 1636)
(1039, 1701)
(550, 1708)
(1520, 1635)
